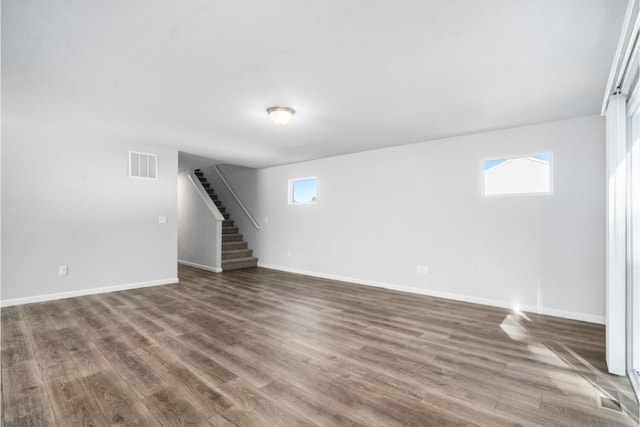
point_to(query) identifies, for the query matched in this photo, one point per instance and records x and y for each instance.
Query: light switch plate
(63, 270)
(162, 219)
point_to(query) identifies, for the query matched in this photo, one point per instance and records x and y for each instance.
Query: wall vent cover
(143, 165)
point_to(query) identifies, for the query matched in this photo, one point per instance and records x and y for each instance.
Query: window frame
(292, 181)
(518, 156)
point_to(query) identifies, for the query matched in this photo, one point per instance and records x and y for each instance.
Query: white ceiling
(197, 75)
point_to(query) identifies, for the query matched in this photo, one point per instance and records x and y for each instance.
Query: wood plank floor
(258, 347)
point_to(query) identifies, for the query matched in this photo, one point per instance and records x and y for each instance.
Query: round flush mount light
(281, 115)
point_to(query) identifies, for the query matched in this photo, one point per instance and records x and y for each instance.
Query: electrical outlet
(162, 219)
(63, 270)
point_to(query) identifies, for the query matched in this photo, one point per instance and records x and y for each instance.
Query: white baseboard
(457, 297)
(200, 266)
(84, 292)
(591, 318)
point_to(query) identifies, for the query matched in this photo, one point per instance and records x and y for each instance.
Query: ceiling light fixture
(281, 115)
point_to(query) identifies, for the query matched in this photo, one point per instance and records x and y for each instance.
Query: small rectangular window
(303, 191)
(517, 175)
(143, 165)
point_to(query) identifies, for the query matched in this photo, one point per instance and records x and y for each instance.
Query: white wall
(382, 212)
(67, 200)
(198, 228)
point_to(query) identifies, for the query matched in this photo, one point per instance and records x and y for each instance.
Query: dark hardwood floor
(258, 347)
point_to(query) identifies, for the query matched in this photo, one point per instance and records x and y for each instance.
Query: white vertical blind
(616, 150)
(621, 99)
(633, 249)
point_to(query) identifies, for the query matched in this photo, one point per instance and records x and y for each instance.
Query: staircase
(235, 253)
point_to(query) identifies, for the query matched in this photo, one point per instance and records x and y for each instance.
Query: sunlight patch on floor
(514, 329)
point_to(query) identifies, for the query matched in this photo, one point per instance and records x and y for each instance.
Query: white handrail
(205, 197)
(235, 196)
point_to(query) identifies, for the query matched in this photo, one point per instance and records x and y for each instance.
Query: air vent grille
(143, 165)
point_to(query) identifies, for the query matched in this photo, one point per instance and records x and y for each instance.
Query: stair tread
(231, 237)
(236, 251)
(239, 265)
(236, 244)
(243, 259)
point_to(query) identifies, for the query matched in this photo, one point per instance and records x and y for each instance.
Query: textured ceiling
(197, 75)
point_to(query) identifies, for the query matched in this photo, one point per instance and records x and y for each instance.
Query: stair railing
(205, 197)
(235, 196)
